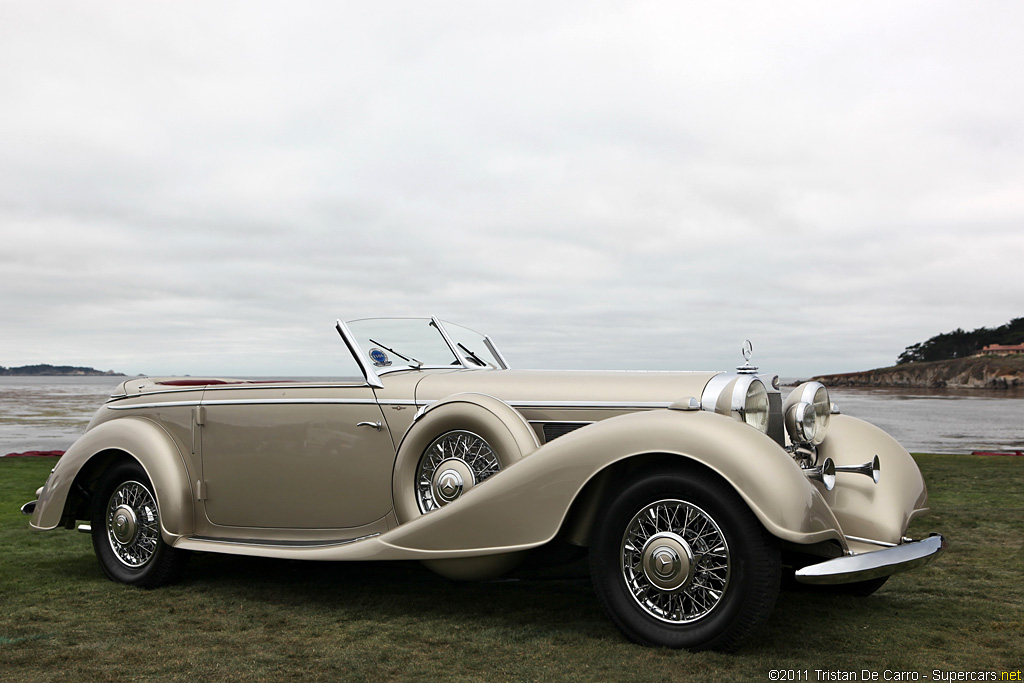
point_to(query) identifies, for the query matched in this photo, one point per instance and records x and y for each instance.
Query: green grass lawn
(254, 620)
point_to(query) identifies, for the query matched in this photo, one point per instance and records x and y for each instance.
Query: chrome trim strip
(496, 353)
(561, 422)
(350, 341)
(639, 405)
(159, 404)
(448, 340)
(355, 383)
(875, 564)
(178, 390)
(430, 405)
(242, 385)
(282, 544)
(288, 401)
(253, 402)
(589, 404)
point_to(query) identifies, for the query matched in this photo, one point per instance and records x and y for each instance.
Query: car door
(297, 457)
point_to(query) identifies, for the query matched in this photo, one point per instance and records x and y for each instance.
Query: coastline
(975, 372)
(47, 370)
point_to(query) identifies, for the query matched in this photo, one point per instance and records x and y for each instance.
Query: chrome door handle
(376, 425)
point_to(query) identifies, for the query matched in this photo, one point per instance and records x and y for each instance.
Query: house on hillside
(1002, 350)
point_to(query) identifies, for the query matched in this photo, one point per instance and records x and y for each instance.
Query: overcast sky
(203, 187)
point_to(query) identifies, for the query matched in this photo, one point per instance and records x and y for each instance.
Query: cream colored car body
(242, 467)
(338, 470)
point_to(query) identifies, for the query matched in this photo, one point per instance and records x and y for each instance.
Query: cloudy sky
(203, 187)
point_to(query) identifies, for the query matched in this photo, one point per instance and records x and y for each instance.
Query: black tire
(126, 530)
(678, 560)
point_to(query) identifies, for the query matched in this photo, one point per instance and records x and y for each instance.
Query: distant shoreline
(46, 370)
(975, 372)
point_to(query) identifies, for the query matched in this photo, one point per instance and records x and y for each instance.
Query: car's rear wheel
(454, 447)
(678, 560)
(453, 463)
(126, 530)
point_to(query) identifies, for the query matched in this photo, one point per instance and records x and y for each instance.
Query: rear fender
(138, 438)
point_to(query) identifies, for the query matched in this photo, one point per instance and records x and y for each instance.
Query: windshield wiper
(472, 356)
(411, 361)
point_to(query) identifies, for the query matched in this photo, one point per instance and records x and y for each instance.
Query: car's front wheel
(126, 530)
(678, 560)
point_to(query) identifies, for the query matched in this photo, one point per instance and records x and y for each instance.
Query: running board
(292, 545)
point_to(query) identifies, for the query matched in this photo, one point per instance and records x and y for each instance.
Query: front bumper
(875, 564)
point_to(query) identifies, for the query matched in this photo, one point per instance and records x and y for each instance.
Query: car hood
(559, 387)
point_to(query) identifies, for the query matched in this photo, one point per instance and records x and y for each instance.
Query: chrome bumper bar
(875, 564)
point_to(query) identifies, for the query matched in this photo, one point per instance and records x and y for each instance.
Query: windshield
(403, 343)
(471, 346)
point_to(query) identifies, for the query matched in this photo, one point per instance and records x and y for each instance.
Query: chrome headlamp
(750, 402)
(807, 411)
(744, 397)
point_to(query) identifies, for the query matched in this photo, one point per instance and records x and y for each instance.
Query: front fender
(881, 511)
(525, 504)
(141, 439)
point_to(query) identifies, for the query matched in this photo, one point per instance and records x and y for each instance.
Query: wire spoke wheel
(126, 529)
(675, 561)
(133, 524)
(452, 464)
(679, 560)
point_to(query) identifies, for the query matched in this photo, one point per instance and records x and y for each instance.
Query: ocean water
(50, 413)
(940, 420)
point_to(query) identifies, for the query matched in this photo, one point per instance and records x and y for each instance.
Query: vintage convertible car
(692, 491)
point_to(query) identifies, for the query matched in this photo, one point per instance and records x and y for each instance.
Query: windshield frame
(373, 374)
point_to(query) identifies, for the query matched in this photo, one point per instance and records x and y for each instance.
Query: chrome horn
(826, 474)
(872, 469)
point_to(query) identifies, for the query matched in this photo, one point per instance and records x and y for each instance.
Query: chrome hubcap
(667, 561)
(125, 524)
(449, 485)
(675, 561)
(450, 482)
(133, 524)
(452, 464)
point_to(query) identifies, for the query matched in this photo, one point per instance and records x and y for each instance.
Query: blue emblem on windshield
(379, 358)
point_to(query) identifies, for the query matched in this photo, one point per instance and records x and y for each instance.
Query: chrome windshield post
(495, 352)
(448, 340)
(350, 341)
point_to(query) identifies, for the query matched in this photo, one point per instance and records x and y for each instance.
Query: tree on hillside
(960, 344)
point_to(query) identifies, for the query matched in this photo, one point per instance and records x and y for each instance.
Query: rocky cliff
(977, 372)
